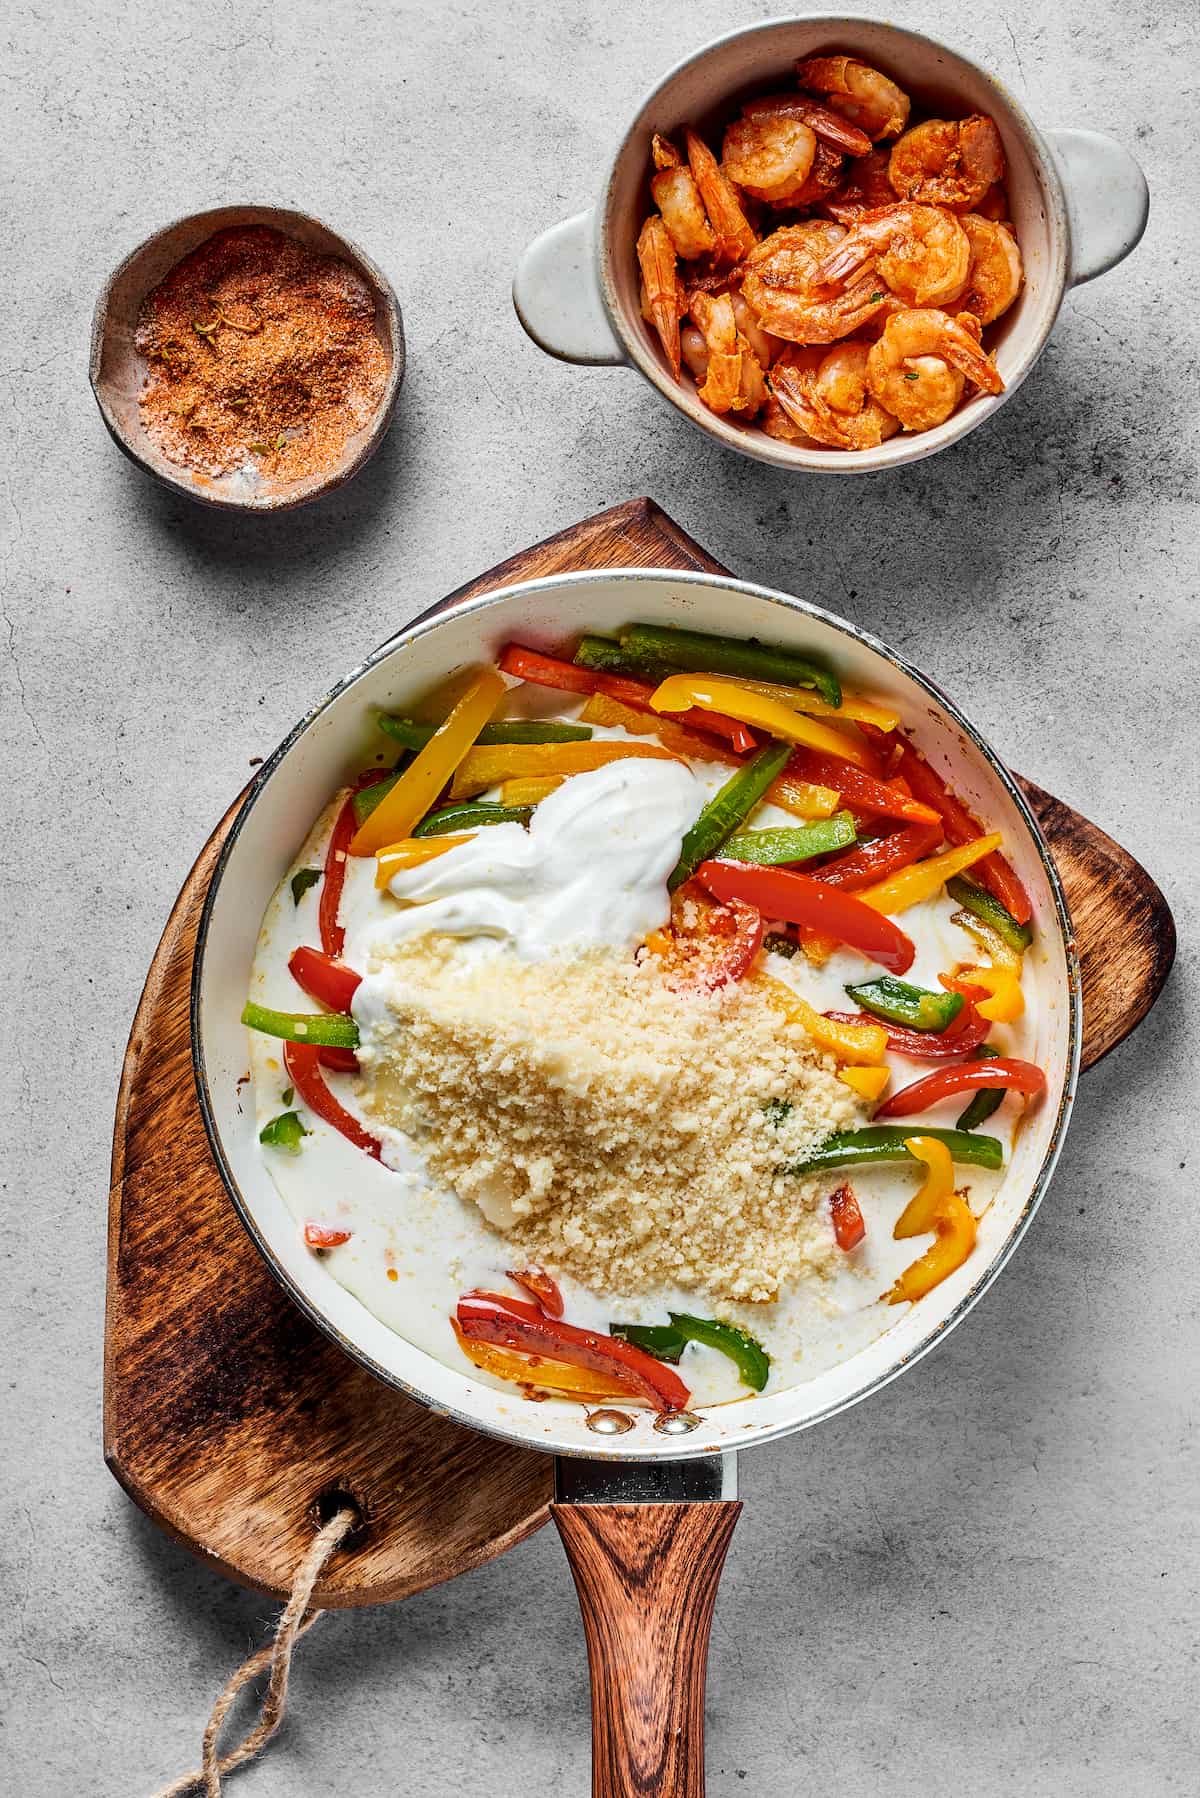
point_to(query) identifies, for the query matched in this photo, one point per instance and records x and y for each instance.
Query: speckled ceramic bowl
(118, 370)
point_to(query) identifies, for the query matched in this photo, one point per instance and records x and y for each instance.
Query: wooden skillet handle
(647, 1577)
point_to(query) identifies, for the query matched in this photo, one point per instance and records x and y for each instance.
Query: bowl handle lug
(557, 297)
(1108, 199)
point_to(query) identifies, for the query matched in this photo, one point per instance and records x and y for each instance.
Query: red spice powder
(263, 355)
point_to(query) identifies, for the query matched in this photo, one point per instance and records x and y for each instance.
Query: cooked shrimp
(858, 93)
(828, 126)
(948, 162)
(765, 347)
(826, 394)
(865, 188)
(776, 423)
(995, 275)
(921, 253)
(788, 299)
(824, 178)
(768, 155)
(656, 257)
(678, 200)
(733, 231)
(733, 380)
(916, 370)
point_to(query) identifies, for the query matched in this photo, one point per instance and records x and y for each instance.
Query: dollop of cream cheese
(589, 873)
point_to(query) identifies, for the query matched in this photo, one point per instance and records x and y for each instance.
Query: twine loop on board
(296, 1621)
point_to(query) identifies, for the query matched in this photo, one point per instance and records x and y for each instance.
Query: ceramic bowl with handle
(1078, 199)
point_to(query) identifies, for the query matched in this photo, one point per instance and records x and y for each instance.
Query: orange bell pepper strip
(484, 768)
(510, 1324)
(412, 852)
(531, 791)
(713, 693)
(600, 709)
(401, 810)
(547, 1376)
(935, 1207)
(923, 880)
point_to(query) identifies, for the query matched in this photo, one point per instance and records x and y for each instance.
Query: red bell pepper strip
(324, 1236)
(338, 1061)
(328, 981)
(541, 1286)
(509, 1323)
(549, 671)
(846, 1213)
(959, 1038)
(870, 862)
(860, 790)
(718, 946)
(302, 1062)
(799, 899)
(968, 1076)
(994, 872)
(333, 937)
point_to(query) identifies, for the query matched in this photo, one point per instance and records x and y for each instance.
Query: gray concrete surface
(983, 1580)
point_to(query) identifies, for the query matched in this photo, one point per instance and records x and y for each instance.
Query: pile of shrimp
(832, 274)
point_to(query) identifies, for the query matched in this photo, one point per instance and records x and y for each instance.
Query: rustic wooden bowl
(117, 370)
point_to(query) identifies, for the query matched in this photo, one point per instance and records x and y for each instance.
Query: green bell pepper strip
(663, 1341)
(988, 908)
(727, 809)
(604, 655)
(284, 1132)
(914, 1007)
(885, 1142)
(797, 844)
(471, 816)
(512, 730)
(981, 1104)
(700, 653)
(323, 1029)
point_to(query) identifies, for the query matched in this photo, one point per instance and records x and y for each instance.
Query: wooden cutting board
(228, 1417)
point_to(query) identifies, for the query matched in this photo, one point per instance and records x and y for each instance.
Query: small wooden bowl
(118, 371)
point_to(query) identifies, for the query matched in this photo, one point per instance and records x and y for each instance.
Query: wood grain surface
(647, 1578)
(228, 1417)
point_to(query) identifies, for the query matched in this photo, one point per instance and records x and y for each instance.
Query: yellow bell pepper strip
(519, 793)
(802, 798)
(484, 768)
(858, 1044)
(923, 880)
(868, 1083)
(547, 1376)
(1002, 953)
(712, 694)
(411, 853)
(939, 1208)
(851, 710)
(1006, 1001)
(701, 653)
(600, 709)
(417, 788)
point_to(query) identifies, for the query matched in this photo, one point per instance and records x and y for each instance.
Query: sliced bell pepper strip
(415, 735)
(411, 854)
(600, 709)
(331, 1029)
(995, 873)
(726, 810)
(324, 1236)
(542, 1287)
(864, 1043)
(802, 798)
(473, 815)
(860, 787)
(701, 653)
(333, 937)
(565, 677)
(604, 655)
(886, 1142)
(507, 1323)
(710, 693)
(484, 768)
(983, 1103)
(995, 992)
(367, 798)
(847, 1218)
(284, 1132)
(959, 1038)
(706, 945)
(518, 795)
(872, 862)
(852, 710)
(302, 1064)
(999, 948)
(338, 1061)
(546, 1376)
(965, 1076)
(799, 899)
(745, 1351)
(868, 1083)
(939, 1208)
(663, 1341)
(329, 981)
(925, 879)
(769, 848)
(913, 1006)
(988, 908)
(414, 793)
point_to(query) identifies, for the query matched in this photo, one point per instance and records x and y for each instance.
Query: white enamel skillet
(646, 1514)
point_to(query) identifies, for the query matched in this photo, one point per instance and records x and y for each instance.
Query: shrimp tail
(963, 351)
(656, 255)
